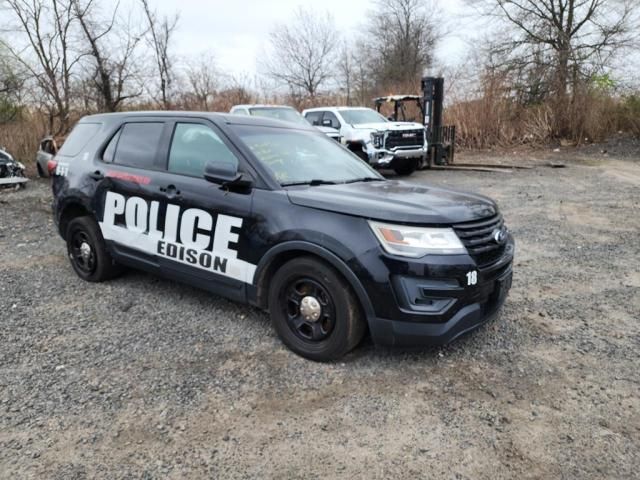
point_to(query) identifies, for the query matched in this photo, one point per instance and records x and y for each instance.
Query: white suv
(401, 146)
(281, 112)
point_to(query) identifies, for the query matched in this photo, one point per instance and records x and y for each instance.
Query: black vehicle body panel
(397, 202)
(406, 301)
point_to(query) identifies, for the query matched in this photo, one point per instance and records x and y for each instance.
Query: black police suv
(282, 217)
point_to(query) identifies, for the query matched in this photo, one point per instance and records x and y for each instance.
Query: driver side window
(193, 146)
(314, 118)
(332, 118)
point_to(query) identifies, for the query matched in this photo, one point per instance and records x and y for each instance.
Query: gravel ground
(145, 378)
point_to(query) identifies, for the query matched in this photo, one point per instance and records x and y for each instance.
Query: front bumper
(434, 305)
(380, 157)
(412, 334)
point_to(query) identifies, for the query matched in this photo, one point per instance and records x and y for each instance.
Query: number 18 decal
(472, 277)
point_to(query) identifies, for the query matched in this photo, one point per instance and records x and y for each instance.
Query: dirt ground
(145, 378)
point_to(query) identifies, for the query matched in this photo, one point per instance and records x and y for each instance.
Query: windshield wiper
(313, 183)
(365, 179)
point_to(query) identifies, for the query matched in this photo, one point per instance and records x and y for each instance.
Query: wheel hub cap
(310, 309)
(85, 251)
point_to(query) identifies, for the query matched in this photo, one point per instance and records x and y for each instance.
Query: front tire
(314, 310)
(356, 149)
(407, 167)
(87, 252)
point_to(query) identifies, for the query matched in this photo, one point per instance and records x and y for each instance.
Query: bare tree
(353, 75)
(346, 73)
(302, 52)
(402, 36)
(561, 42)
(203, 80)
(160, 35)
(111, 51)
(12, 84)
(49, 57)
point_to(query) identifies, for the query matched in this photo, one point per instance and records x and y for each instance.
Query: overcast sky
(237, 30)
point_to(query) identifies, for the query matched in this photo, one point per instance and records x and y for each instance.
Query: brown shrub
(496, 119)
(22, 136)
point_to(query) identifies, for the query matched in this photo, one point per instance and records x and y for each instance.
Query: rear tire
(40, 172)
(314, 310)
(87, 251)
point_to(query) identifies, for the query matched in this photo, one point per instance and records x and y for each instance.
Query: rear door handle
(97, 175)
(170, 191)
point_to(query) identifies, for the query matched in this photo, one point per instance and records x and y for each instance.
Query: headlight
(21, 165)
(417, 241)
(377, 138)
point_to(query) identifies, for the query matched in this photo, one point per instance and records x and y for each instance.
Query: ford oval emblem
(499, 235)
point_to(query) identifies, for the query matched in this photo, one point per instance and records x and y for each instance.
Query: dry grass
(495, 119)
(492, 119)
(22, 136)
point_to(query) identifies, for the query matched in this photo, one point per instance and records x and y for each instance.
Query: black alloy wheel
(87, 251)
(314, 309)
(82, 253)
(309, 308)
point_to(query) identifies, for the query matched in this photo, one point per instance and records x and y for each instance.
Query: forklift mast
(432, 100)
(441, 137)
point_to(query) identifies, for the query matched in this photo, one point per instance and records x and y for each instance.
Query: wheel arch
(72, 209)
(356, 145)
(280, 254)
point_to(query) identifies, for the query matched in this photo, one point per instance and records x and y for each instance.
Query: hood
(6, 156)
(394, 201)
(383, 126)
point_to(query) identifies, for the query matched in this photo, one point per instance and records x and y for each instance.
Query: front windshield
(361, 115)
(284, 114)
(302, 156)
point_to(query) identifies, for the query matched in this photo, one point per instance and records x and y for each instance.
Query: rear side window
(110, 152)
(79, 137)
(137, 144)
(47, 146)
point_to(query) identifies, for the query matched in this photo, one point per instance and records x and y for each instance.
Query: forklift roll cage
(441, 138)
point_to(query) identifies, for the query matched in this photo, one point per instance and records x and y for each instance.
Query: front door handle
(97, 175)
(170, 191)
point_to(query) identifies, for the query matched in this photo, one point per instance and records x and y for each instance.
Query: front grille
(478, 238)
(404, 139)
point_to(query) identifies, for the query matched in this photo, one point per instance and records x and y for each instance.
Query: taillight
(51, 166)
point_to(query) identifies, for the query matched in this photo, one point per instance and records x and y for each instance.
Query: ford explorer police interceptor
(281, 217)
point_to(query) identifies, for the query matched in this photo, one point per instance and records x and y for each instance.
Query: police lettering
(192, 256)
(185, 236)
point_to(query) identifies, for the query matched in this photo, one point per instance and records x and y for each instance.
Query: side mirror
(327, 123)
(225, 174)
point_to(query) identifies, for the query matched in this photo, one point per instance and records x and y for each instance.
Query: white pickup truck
(401, 146)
